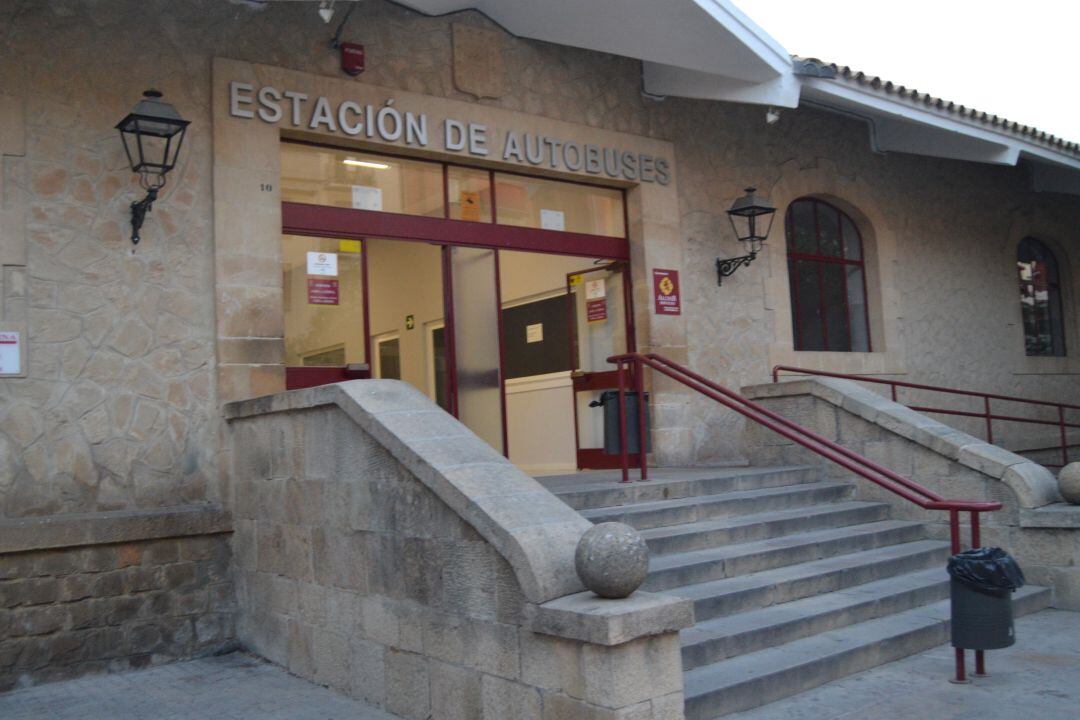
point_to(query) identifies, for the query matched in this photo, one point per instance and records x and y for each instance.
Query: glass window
(366, 181)
(553, 205)
(349, 179)
(1040, 299)
(827, 278)
(469, 193)
(324, 301)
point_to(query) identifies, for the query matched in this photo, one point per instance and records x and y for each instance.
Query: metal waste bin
(609, 400)
(981, 587)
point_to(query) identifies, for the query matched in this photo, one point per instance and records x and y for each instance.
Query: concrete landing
(230, 687)
(1039, 677)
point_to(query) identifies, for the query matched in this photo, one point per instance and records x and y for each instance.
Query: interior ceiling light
(326, 10)
(365, 163)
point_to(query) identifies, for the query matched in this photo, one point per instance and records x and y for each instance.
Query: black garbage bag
(988, 570)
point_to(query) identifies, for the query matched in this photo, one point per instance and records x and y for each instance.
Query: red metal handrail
(986, 414)
(842, 456)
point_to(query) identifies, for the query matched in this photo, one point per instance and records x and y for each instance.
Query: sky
(1012, 59)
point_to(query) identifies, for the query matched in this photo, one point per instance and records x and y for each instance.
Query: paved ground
(231, 687)
(1036, 679)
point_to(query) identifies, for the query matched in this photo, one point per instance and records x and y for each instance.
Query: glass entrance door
(599, 301)
(324, 288)
(477, 350)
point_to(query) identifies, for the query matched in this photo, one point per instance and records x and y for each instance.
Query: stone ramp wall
(1034, 524)
(383, 550)
(84, 594)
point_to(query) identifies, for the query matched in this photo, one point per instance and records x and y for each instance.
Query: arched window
(828, 280)
(1040, 299)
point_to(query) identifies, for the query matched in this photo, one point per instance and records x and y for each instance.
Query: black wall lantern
(152, 133)
(751, 217)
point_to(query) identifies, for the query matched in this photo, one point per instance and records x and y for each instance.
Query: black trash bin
(609, 400)
(981, 587)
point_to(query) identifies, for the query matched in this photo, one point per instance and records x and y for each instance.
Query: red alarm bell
(352, 58)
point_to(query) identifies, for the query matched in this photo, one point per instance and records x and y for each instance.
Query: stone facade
(119, 408)
(70, 611)
(1034, 524)
(384, 550)
(133, 351)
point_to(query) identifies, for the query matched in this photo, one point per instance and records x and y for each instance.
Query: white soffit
(900, 124)
(707, 49)
(691, 48)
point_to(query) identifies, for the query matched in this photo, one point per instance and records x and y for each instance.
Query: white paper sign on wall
(553, 219)
(321, 263)
(534, 333)
(594, 289)
(365, 197)
(10, 353)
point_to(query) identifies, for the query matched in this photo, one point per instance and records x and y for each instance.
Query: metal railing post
(639, 386)
(954, 530)
(989, 420)
(961, 675)
(1064, 437)
(624, 451)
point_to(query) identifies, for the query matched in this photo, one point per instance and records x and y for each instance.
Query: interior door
(598, 302)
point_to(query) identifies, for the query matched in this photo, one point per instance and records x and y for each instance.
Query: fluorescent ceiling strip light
(365, 163)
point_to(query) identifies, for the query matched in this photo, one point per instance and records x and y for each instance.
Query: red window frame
(1046, 277)
(821, 261)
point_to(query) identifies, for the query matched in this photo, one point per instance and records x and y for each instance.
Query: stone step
(784, 584)
(725, 637)
(697, 566)
(602, 489)
(761, 677)
(665, 513)
(761, 526)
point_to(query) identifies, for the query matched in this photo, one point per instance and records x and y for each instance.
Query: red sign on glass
(666, 292)
(322, 291)
(596, 310)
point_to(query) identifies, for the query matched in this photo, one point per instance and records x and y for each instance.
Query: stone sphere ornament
(1069, 482)
(612, 559)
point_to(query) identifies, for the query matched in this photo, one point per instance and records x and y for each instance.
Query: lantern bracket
(726, 267)
(138, 213)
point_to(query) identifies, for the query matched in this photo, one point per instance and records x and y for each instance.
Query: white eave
(707, 49)
(690, 48)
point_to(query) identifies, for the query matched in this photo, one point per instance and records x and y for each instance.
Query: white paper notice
(553, 219)
(534, 333)
(319, 263)
(594, 289)
(366, 198)
(10, 354)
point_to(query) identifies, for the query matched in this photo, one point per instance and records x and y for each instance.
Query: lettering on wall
(387, 123)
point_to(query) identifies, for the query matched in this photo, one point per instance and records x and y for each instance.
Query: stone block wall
(383, 550)
(1034, 524)
(70, 610)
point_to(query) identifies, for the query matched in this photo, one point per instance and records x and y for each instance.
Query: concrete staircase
(795, 582)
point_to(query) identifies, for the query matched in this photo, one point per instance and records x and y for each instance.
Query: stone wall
(1034, 524)
(384, 550)
(87, 600)
(119, 409)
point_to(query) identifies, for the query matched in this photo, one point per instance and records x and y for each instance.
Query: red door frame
(347, 223)
(596, 458)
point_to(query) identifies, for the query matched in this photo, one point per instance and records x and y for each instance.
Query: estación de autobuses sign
(389, 124)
